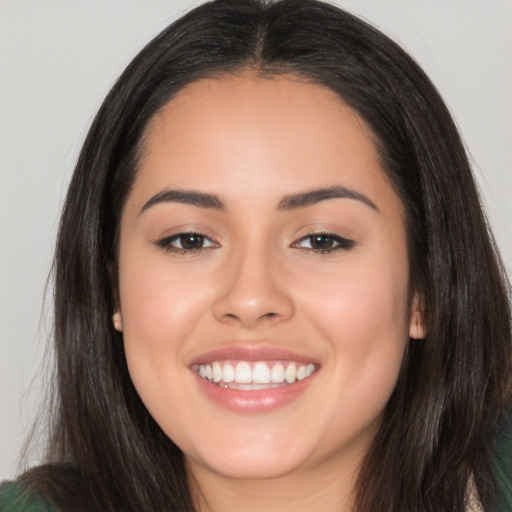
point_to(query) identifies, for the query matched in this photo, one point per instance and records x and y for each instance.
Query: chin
(250, 469)
(261, 461)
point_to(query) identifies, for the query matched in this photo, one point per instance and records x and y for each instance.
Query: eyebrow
(304, 199)
(200, 199)
(290, 202)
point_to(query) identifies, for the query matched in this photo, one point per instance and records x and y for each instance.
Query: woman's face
(264, 278)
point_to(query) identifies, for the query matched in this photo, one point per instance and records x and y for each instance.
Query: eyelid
(166, 242)
(342, 242)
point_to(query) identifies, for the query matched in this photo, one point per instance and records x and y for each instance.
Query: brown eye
(323, 243)
(186, 242)
(191, 241)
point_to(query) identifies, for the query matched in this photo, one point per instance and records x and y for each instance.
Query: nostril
(251, 305)
(249, 319)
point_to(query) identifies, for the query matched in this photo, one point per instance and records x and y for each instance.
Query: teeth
(277, 373)
(261, 374)
(243, 373)
(217, 372)
(228, 373)
(291, 373)
(254, 376)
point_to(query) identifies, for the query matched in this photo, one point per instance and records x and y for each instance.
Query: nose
(253, 291)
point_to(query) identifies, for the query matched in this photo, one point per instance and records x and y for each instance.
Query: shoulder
(503, 460)
(48, 488)
(17, 497)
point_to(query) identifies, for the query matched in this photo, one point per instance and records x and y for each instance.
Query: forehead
(249, 102)
(251, 134)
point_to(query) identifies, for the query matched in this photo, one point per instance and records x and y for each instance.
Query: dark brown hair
(453, 385)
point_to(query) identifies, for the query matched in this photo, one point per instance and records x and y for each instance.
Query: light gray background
(58, 59)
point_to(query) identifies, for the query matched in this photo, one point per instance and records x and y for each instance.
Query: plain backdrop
(58, 59)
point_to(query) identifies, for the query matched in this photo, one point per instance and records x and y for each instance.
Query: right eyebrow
(200, 199)
(311, 197)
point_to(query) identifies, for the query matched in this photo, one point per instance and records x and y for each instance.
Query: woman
(267, 289)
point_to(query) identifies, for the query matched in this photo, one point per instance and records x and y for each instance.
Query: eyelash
(166, 243)
(341, 243)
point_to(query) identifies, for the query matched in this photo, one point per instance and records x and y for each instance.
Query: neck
(325, 489)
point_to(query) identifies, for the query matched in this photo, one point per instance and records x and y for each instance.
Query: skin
(253, 141)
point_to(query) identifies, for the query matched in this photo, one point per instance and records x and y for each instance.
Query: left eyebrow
(309, 198)
(192, 197)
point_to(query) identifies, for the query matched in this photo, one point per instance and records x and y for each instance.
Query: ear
(417, 327)
(117, 321)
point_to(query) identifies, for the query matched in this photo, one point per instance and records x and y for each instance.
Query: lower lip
(254, 401)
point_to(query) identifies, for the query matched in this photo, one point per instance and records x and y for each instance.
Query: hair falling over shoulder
(455, 385)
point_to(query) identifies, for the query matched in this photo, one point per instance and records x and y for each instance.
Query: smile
(249, 376)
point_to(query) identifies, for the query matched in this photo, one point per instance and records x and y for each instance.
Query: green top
(14, 497)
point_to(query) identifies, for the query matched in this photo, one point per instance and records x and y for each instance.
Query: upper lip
(252, 353)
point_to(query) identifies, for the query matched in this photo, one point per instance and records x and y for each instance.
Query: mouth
(253, 375)
(253, 379)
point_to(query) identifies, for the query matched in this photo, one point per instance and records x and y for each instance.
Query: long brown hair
(453, 385)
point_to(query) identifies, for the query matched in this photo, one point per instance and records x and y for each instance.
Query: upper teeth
(254, 373)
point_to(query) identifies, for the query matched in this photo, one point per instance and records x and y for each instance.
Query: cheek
(364, 317)
(364, 313)
(158, 300)
(160, 308)
(358, 298)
